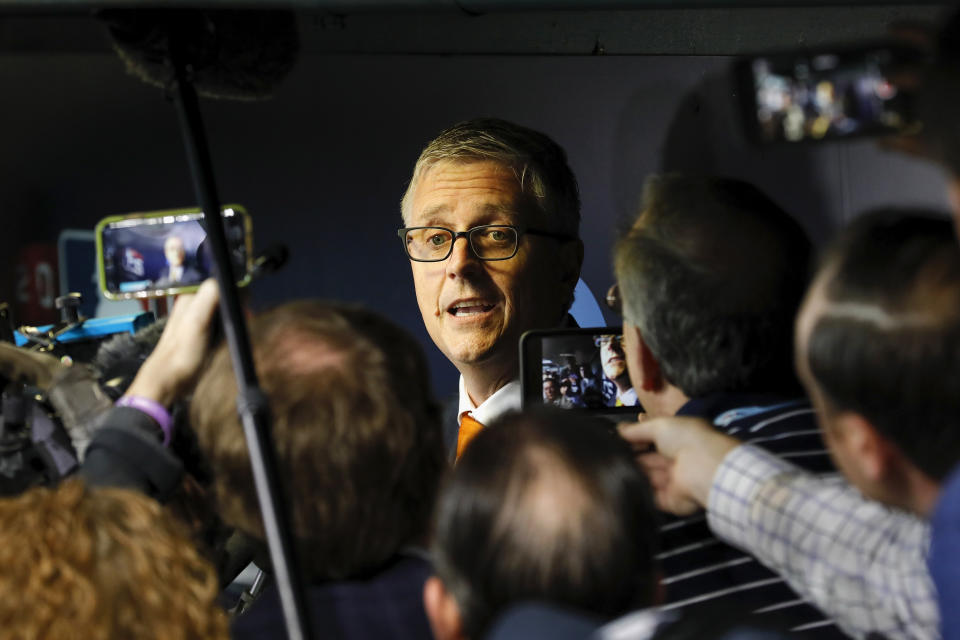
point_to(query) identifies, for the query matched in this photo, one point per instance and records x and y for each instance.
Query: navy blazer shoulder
(385, 606)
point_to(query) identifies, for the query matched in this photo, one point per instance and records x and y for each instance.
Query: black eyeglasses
(607, 339)
(488, 242)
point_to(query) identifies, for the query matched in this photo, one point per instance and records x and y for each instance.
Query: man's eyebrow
(433, 216)
(492, 210)
(438, 215)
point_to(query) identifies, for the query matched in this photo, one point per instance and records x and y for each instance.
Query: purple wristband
(153, 409)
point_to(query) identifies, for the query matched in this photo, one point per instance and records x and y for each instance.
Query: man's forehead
(480, 189)
(481, 214)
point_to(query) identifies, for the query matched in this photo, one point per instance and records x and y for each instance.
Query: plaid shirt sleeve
(860, 562)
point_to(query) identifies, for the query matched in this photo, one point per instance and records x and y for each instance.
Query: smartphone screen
(804, 96)
(165, 252)
(577, 369)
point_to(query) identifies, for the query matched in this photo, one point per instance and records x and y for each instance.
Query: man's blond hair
(539, 164)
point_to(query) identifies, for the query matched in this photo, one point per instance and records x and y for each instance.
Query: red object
(37, 285)
(157, 305)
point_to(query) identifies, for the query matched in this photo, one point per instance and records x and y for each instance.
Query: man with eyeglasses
(491, 226)
(614, 364)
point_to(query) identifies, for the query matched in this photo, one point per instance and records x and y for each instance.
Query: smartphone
(162, 253)
(832, 94)
(581, 370)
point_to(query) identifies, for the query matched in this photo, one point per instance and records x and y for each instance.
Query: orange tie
(469, 428)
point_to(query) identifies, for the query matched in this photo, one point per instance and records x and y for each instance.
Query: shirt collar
(506, 398)
(509, 397)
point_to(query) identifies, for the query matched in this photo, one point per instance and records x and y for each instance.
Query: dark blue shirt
(944, 559)
(387, 606)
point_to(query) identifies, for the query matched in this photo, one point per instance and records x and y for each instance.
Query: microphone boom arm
(252, 404)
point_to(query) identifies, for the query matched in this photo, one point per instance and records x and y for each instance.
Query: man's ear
(442, 611)
(650, 377)
(864, 444)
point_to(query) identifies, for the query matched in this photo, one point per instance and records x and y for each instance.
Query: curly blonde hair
(101, 564)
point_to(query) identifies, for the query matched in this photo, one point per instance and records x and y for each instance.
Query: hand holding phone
(688, 453)
(175, 362)
(161, 253)
(808, 96)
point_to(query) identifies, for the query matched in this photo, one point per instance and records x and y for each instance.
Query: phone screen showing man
(165, 253)
(578, 369)
(158, 255)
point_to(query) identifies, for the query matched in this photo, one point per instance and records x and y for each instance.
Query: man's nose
(462, 258)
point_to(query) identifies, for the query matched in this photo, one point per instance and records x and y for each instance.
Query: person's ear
(865, 446)
(442, 611)
(651, 378)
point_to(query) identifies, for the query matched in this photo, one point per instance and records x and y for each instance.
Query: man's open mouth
(469, 308)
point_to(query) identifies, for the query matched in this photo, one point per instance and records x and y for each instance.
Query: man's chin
(615, 375)
(470, 357)
(476, 354)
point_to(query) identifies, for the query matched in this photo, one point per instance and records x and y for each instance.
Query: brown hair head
(99, 564)
(356, 428)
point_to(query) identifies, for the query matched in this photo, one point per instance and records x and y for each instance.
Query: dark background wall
(323, 165)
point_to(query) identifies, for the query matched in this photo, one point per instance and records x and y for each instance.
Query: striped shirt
(699, 570)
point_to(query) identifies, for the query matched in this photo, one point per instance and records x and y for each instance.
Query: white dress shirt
(506, 398)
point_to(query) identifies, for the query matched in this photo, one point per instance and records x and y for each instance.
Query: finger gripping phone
(161, 253)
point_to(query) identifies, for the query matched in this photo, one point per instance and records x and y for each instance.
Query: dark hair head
(712, 273)
(356, 428)
(546, 506)
(886, 341)
(539, 163)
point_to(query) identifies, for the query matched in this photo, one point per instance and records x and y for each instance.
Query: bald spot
(301, 352)
(546, 512)
(934, 300)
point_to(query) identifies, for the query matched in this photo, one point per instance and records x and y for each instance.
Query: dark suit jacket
(451, 425)
(191, 275)
(387, 606)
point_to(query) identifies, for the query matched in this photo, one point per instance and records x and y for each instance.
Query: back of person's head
(101, 564)
(539, 163)
(882, 333)
(356, 429)
(543, 506)
(712, 273)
